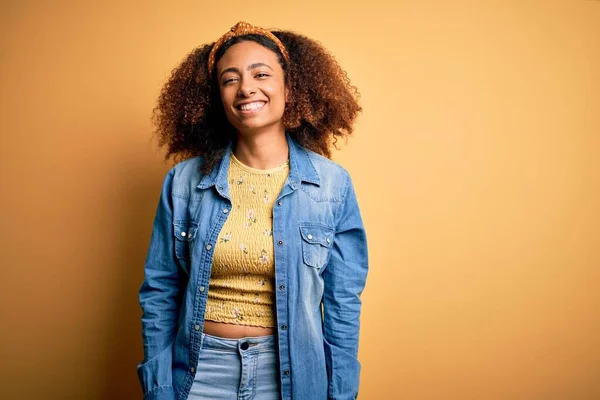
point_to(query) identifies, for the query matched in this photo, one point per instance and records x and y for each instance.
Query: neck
(263, 151)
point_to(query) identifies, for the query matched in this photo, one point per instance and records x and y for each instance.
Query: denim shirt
(320, 253)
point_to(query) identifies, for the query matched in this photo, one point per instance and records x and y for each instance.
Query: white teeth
(251, 106)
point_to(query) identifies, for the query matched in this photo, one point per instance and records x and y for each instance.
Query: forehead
(246, 53)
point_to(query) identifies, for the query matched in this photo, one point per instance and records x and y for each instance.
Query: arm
(160, 300)
(345, 277)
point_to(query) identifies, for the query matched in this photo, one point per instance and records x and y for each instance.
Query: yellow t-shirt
(241, 289)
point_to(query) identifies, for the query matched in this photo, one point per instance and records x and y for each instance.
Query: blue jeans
(237, 369)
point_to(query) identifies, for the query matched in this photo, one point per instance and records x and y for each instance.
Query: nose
(247, 88)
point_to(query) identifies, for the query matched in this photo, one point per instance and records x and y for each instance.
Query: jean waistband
(254, 343)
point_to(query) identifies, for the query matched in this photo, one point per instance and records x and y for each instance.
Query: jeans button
(244, 346)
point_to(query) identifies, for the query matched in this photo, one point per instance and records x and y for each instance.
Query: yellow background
(475, 162)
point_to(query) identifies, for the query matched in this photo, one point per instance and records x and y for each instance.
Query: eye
(261, 75)
(228, 81)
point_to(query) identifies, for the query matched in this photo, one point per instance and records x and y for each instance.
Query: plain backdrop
(475, 162)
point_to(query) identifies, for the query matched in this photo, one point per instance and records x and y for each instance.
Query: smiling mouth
(251, 107)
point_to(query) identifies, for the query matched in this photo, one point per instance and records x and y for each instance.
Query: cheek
(226, 98)
(277, 92)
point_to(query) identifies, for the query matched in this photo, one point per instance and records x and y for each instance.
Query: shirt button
(309, 237)
(284, 327)
(208, 247)
(281, 287)
(192, 370)
(196, 327)
(328, 240)
(183, 234)
(280, 242)
(201, 288)
(225, 211)
(286, 372)
(278, 203)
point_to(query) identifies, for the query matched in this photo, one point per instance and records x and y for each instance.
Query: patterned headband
(240, 29)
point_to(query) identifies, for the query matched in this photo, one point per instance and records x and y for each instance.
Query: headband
(240, 29)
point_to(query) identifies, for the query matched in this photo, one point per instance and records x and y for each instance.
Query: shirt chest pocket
(185, 232)
(316, 241)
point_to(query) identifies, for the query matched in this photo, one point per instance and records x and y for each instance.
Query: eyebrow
(251, 66)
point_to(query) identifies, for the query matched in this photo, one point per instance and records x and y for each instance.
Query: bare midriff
(233, 331)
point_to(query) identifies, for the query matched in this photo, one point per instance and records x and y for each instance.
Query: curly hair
(190, 120)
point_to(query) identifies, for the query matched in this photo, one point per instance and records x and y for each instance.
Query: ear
(288, 94)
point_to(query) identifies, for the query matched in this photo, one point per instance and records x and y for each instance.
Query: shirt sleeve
(344, 277)
(160, 300)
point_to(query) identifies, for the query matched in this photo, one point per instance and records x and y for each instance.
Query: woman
(258, 253)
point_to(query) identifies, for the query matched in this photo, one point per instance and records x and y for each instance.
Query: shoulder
(185, 177)
(187, 169)
(334, 178)
(327, 168)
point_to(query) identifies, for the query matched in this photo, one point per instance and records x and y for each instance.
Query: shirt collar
(301, 169)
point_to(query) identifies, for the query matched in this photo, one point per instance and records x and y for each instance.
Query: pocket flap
(185, 230)
(317, 234)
